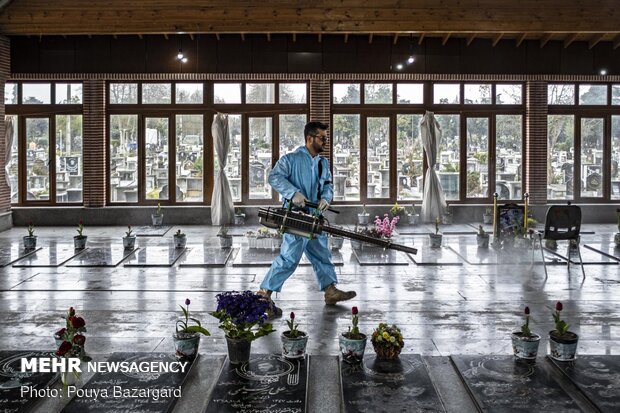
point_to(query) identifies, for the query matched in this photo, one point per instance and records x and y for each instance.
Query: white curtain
(222, 207)
(434, 203)
(9, 127)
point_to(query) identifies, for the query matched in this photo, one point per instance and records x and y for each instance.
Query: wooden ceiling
(543, 20)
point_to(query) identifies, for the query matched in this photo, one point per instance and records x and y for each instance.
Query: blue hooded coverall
(298, 171)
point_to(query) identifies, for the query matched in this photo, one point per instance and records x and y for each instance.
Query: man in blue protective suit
(303, 176)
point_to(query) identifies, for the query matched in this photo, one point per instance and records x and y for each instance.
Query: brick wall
(320, 106)
(94, 143)
(5, 71)
(536, 141)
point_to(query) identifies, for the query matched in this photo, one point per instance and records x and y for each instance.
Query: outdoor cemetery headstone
(268, 382)
(11, 380)
(502, 384)
(109, 256)
(401, 385)
(53, 256)
(151, 231)
(379, 256)
(146, 382)
(598, 377)
(8, 255)
(201, 256)
(155, 256)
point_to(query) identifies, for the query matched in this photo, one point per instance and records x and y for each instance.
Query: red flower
(558, 306)
(71, 312)
(64, 348)
(354, 311)
(79, 339)
(292, 315)
(60, 332)
(527, 310)
(78, 322)
(187, 301)
(81, 222)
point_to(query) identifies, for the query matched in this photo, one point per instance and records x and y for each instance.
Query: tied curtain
(222, 207)
(434, 202)
(9, 136)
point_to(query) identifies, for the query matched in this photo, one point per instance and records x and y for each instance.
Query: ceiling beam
(471, 38)
(570, 39)
(497, 38)
(445, 39)
(595, 39)
(521, 39)
(545, 39)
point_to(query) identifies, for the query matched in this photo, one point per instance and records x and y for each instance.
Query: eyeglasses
(323, 138)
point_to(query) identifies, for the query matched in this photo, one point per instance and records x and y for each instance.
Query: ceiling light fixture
(180, 55)
(399, 66)
(411, 59)
(184, 60)
(603, 72)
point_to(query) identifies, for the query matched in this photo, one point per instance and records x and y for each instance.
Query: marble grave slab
(8, 255)
(263, 257)
(155, 256)
(12, 378)
(109, 256)
(435, 256)
(486, 227)
(267, 383)
(201, 256)
(606, 248)
(52, 256)
(153, 381)
(598, 378)
(501, 384)
(379, 256)
(588, 255)
(457, 229)
(151, 231)
(402, 385)
(489, 256)
(240, 230)
(415, 229)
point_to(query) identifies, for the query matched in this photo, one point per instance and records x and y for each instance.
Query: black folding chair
(563, 222)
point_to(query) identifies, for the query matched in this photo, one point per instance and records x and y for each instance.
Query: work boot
(333, 295)
(272, 311)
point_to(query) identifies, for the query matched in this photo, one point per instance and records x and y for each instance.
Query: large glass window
(592, 94)
(156, 158)
(10, 93)
(234, 165)
(38, 159)
(409, 157)
(592, 172)
(346, 157)
(477, 157)
(123, 158)
(227, 93)
(123, 93)
(260, 130)
(69, 160)
(378, 154)
(68, 93)
(190, 158)
(291, 131)
(36, 93)
(560, 156)
(189, 93)
(346, 93)
(508, 156)
(447, 93)
(410, 93)
(12, 125)
(153, 93)
(615, 157)
(448, 160)
(260, 93)
(508, 94)
(293, 92)
(477, 94)
(378, 93)
(560, 94)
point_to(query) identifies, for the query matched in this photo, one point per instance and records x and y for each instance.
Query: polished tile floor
(442, 309)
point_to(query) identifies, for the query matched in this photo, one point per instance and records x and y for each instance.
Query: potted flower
(397, 210)
(179, 239)
(487, 217)
(225, 239)
(617, 235)
(79, 241)
(71, 344)
(446, 217)
(436, 237)
(387, 341)
(294, 341)
(129, 240)
(363, 218)
(187, 337)
(563, 343)
(158, 217)
(413, 216)
(30, 240)
(242, 316)
(482, 238)
(524, 342)
(336, 242)
(239, 218)
(352, 343)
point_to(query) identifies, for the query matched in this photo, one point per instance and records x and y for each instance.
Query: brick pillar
(5, 71)
(320, 99)
(536, 141)
(94, 144)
